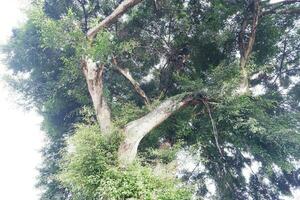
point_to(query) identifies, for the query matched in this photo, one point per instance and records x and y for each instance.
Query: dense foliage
(172, 48)
(89, 170)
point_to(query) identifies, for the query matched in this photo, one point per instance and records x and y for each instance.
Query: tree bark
(246, 47)
(244, 87)
(126, 73)
(136, 130)
(93, 73)
(117, 13)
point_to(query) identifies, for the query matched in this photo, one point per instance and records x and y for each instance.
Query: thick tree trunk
(136, 130)
(93, 73)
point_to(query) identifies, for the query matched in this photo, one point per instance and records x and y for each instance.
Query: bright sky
(20, 137)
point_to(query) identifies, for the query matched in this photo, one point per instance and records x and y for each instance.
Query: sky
(20, 135)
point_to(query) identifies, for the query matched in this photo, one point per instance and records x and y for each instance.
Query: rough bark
(126, 73)
(93, 73)
(136, 130)
(117, 13)
(246, 47)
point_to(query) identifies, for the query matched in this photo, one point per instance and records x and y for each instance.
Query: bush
(90, 171)
(87, 156)
(139, 182)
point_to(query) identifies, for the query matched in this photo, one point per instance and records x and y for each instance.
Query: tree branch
(85, 15)
(255, 19)
(214, 128)
(276, 8)
(281, 61)
(136, 130)
(117, 13)
(126, 73)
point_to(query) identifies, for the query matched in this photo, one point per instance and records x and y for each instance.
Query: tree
(185, 52)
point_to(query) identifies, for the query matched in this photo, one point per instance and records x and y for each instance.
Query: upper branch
(117, 13)
(255, 20)
(85, 15)
(126, 73)
(142, 126)
(279, 8)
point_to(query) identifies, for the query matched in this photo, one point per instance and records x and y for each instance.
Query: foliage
(247, 125)
(126, 113)
(139, 182)
(174, 48)
(89, 171)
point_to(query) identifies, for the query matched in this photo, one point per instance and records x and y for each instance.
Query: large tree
(183, 71)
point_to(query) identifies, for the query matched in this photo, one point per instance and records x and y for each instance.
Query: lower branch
(136, 130)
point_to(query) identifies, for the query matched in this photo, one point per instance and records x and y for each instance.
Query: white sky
(20, 137)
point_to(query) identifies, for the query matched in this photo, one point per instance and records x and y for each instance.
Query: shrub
(90, 171)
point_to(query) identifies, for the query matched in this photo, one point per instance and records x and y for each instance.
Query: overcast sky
(20, 137)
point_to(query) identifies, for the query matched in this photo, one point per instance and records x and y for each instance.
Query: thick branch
(126, 73)
(249, 46)
(117, 13)
(136, 130)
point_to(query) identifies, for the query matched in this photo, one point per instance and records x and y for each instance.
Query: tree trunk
(136, 130)
(244, 87)
(246, 47)
(93, 73)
